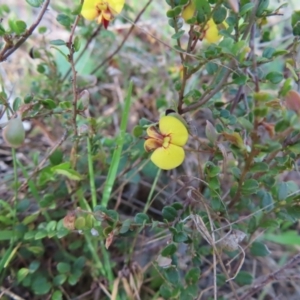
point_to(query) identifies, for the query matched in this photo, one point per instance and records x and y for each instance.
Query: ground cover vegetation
(149, 149)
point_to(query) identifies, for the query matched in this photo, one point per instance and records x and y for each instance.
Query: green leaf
(42, 29)
(282, 125)
(244, 278)
(57, 295)
(249, 187)
(22, 273)
(274, 77)
(79, 263)
(125, 226)
(282, 191)
(41, 286)
(64, 20)
(170, 13)
(169, 250)
(64, 169)
(180, 237)
(295, 17)
(262, 7)
(141, 218)
(193, 275)
(268, 52)
(211, 68)
(259, 167)
(20, 27)
(116, 157)
(49, 103)
(245, 8)
(47, 200)
(56, 157)
(77, 44)
(219, 15)
(203, 9)
(59, 279)
(35, 3)
(137, 131)
(51, 226)
(73, 279)
(63, 267)
(294, 212)
(290, 237)
(31, 218)
(172, 275)
(178, 35)
(259, 249)
(177, 205)
(240, 79)
(57, 42)
(42, 233)
(34, 265)
(165, 291)
(169, 213)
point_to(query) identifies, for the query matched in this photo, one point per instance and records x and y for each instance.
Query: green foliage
(82, 205)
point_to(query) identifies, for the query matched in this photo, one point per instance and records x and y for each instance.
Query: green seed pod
(80, 223)
(89, 219)
(14, 132)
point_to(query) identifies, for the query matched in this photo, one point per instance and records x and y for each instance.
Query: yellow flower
(189, 11)
(210, 32)
(104, 10)
(167, 142)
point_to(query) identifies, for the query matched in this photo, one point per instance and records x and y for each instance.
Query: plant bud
(292, 101)
(84, 98)
(89, 219)
(80, 223)
(211, 132)
(69, 221)
(14, 132)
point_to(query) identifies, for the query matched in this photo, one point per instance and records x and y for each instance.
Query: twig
(40, 165)
(107, 59)
(74, 90)
(214, 91)
(274, 276)
(6, 52)
(9, 293)
(94, 34)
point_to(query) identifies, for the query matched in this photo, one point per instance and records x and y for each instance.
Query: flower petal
(152, 144)
(170, 125)
(189, 11)
(115, 6)
(89, 10)
(153, 132)
(212, 33)
(168, 158)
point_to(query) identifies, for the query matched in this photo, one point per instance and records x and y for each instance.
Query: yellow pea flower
(167, 142)
(189, 11)
(210, 32)
(104, 10)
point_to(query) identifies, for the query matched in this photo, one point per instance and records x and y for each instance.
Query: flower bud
(211, 132)
(69, 221)
(14, 132)
(89, 220)
(80, 223)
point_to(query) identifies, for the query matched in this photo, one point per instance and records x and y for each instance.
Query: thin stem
(6, 52)
(74, 90)
(107, 59)
(153, 187)
(91, 173)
